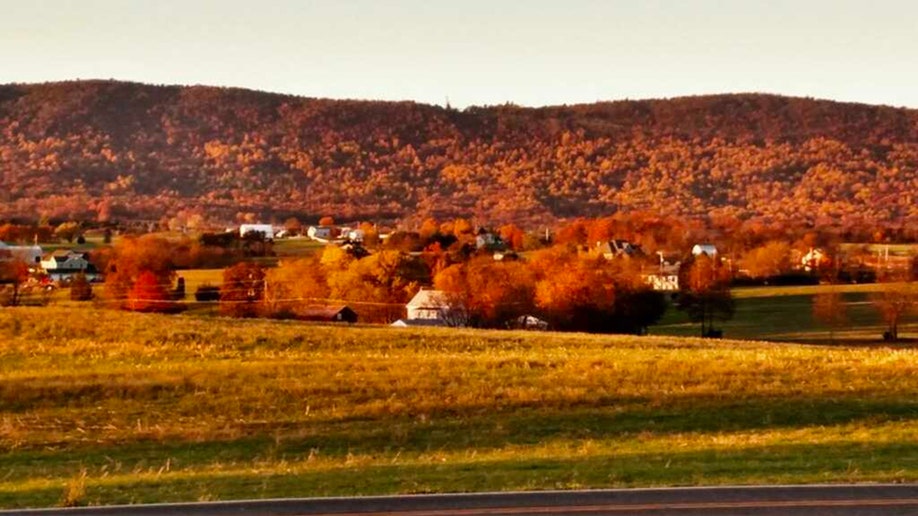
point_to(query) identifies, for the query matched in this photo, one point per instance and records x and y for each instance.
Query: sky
(475, 52)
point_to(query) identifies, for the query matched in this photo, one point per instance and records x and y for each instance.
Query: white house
(708, 249)
(663, 282)
(266, 229)
(62, 265)
(436, 305)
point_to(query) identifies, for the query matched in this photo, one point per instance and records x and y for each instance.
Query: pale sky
(476, 52)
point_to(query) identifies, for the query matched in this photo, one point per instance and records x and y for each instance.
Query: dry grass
(805, 290)
(197, 277)
(104, 407)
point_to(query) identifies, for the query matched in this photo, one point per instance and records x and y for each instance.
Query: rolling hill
(110, 150)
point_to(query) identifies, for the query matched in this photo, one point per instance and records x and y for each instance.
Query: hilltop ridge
(112, 150)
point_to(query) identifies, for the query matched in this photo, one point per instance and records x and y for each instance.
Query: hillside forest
(110, 151)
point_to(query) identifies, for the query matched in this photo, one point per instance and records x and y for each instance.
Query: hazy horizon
(568, 104)
(534, 54)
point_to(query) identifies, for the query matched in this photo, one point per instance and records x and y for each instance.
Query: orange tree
(294, 284)
(592, 294)
(133, 256)
(377, 285)
(148, 295)
(493, 293)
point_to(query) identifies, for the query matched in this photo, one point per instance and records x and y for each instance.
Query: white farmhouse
(62, 265)
(435, 305)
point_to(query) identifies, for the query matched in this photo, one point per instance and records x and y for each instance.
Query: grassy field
(293, 247)
(785, 314)
(100, 407)
(782, 314)
(805, 290)
(194, 278)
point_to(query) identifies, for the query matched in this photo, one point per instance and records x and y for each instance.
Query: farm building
(435, 305)
(265, 229)
(30, 254)
(323, 313)
(63, 264)
(617, 248)
(708, 249)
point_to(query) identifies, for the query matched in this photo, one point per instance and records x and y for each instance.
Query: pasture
(101, 407)
(785, 314)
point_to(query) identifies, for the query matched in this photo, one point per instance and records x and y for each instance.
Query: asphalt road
(836, 500)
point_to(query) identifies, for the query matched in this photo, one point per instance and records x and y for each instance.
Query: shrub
(207, 292)
(80, 289)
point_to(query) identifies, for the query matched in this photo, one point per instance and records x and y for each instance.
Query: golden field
(101, 406)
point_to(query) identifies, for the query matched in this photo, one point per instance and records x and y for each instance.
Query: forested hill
(115, 150)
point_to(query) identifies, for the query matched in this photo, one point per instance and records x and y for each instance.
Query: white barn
(435, 305)
(30, 254)
(266, 229)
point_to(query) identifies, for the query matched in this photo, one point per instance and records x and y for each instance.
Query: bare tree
(830, 309)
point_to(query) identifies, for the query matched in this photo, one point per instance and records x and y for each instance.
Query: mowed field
(785, 314)
(102, 407)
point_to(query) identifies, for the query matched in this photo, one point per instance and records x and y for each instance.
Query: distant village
(662, 272)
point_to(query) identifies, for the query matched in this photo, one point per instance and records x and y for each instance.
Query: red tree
(148, 294)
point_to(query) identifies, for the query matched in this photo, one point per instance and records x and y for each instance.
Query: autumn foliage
(592, 294)
(148, 295)
(492, 293)
(243, 290)
(139, 272)
(13, 274)
(103, 150)
(705, 293)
